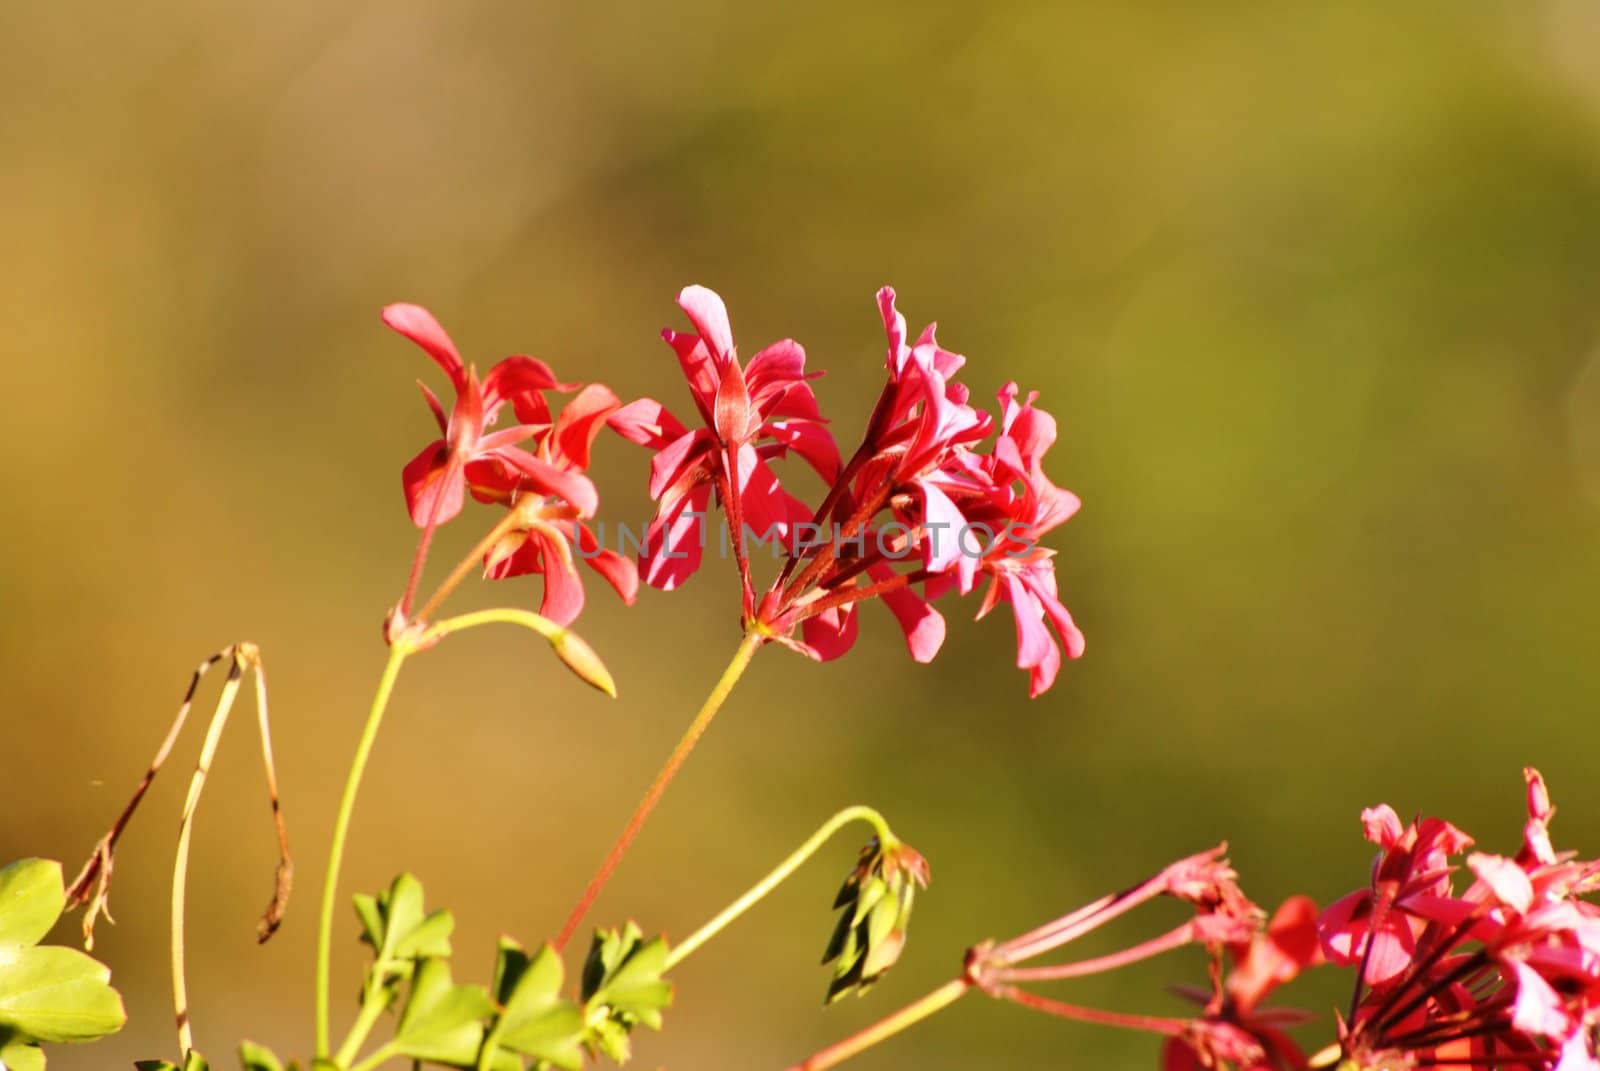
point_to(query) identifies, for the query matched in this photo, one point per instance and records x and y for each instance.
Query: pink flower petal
(1538, 1009)
(832, 632)
(1381, 825)
(1508, 881)
(710, 318)
(674, 542)
(923, 626)
(944, 524)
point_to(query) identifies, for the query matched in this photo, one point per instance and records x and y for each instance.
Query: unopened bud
(582, 660)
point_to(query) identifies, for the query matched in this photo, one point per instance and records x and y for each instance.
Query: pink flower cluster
(1502, 973)
(921, 507)
(1505, 971)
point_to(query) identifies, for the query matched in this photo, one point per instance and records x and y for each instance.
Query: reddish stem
(1148, 1023)
(452, 468)
(1176, 938)
(466, 564)
(820, 563)
(658, 788)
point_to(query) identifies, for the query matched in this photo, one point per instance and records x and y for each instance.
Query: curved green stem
(341, 830)
(578, 656)
(781, 873)
(702, 721)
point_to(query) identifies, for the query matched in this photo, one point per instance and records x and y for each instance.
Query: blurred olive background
(1313, 290)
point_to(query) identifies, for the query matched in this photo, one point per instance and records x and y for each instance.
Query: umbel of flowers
(1458, 959)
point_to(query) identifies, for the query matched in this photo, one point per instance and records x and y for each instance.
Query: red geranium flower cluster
(534, 468)
(919, 504)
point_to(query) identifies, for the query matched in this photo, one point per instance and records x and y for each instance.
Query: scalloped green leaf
(56, 994)
(32, 897)
(442, 1022)
(20, 1055)
(253, 1057)
(534, 1020)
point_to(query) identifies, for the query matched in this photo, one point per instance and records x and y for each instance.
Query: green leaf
(19, 1055)
(57, 994)
(253, 1057)
(623, 987)
(442, 1022)
(32, 897)
(534, 1020)
(396, 925)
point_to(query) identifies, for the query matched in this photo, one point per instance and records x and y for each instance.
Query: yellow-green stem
(373, 1005)
(781, 873)
(702, 721)
(886, 1028)
(341, 829)
(377, 1059)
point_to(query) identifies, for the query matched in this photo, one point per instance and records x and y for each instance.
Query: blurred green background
(1313, 290)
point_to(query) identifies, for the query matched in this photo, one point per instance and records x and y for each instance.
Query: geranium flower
(435, 479)
(548, 526)
(1410, 887)
(750, 415)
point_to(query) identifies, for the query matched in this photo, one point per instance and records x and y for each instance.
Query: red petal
(580, 422)
(545, 478)
(435, 406)
(646, 422)
(619, 571)
(517, 375)
(418, 324)
(670, 463)
(733, 412)
(433, 486)
(563, 590)
(812, 441)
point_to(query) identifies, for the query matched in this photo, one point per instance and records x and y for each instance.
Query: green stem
(388, 1052)
(886, 1028)
(778, 876)
(702, 721)
(373, 1005)
(341, 829)
(504, 616)
(568, 647)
